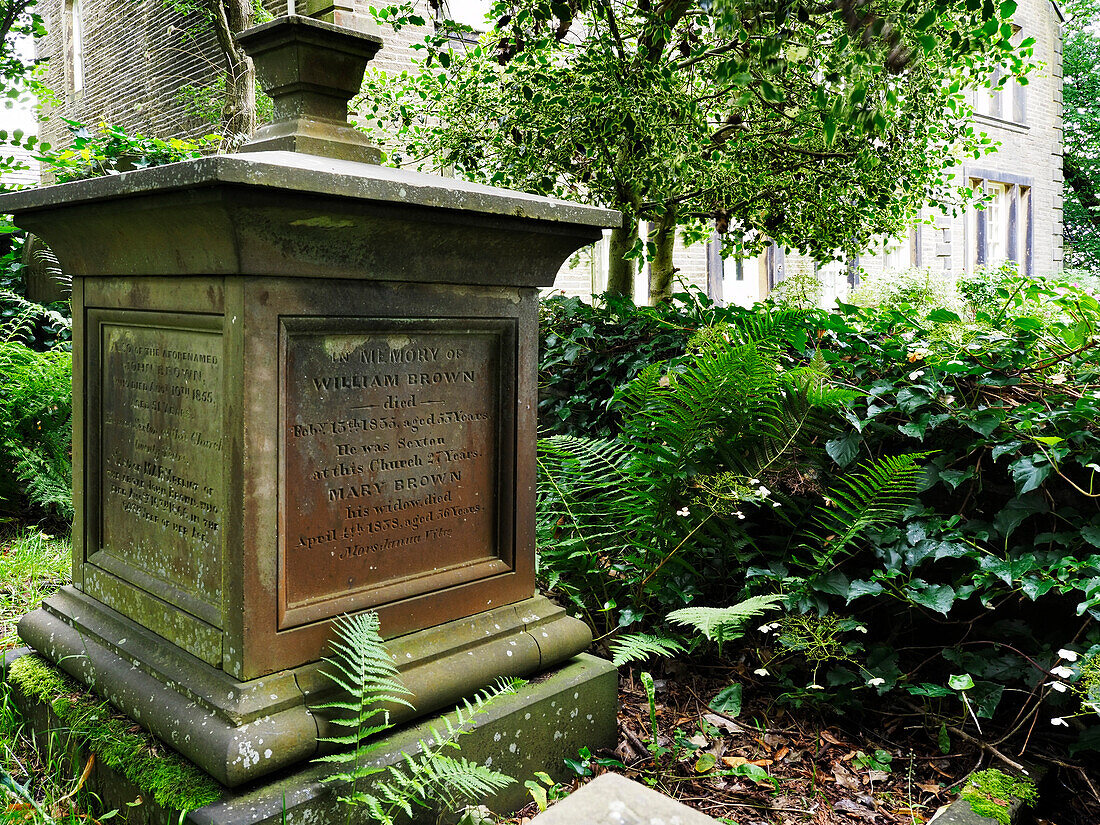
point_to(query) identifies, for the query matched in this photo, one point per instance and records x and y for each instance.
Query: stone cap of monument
(304, 215)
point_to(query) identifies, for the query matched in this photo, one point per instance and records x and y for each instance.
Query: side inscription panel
(160, 486)
(391, 469)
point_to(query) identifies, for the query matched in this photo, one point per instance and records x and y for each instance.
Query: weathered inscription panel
(391, 473)
(160, 445)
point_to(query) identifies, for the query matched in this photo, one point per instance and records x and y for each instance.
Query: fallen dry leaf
(848, 806)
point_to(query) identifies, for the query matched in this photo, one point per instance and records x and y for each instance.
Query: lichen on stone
(168, 778)
(991, 793)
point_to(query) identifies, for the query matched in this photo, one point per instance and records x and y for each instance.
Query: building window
(470, 13)
(1005, 97)
(75, 50)
(999, 230)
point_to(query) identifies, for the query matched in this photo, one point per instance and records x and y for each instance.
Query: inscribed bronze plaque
(160, 486)
(391, 476)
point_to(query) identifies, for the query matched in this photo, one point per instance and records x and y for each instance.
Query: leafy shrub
(587, 351)
(920, 289)
(35, 419)
(990, 571)
(110, 150)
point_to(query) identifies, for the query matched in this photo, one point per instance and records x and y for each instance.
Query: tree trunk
(661, 270)
(239, 107)
(620, 270)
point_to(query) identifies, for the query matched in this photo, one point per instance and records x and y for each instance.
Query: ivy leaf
(956, 477)
(844, 450)
(937, 597)
(944, 316)
(1029, 473)
(960, 681)
(984, 423)
(728, 700)
(985, 697)
(1034, 587)
(862, 588)
(705, 762)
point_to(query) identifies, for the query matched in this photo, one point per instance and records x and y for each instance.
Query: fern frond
(721, 624)
(873, 496)
(635, 647)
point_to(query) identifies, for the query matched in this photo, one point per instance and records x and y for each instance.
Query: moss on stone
(168, 778)
(992, 792)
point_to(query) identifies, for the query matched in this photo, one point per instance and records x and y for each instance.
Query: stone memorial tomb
(304, 386)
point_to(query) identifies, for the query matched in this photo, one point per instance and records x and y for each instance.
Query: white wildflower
(1058, 720)
(740, 515)
(766, 628)
(683, 512)
(764, 491)
(815, 687)
(761, 671)
(1062, 671)
(860, 628)
(1061, 687)
(1065, 653)
(915, 374)
(878, 680)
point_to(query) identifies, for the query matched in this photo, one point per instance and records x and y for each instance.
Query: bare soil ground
(822, 768)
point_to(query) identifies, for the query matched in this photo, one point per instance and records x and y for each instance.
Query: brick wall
(138, 55)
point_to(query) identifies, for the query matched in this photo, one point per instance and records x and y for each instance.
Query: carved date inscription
(161, 463)
(390, 474)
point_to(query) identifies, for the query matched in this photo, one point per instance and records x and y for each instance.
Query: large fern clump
(631, 525)
(35, 420)
(430, 777)
(651, 520)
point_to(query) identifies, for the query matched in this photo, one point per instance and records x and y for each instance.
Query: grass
(33, 565)
(36, 773)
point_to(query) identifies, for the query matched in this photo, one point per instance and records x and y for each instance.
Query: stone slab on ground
(535, 730)
(615, 800)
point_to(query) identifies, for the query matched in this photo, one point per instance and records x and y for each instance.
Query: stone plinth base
(238, 731)
(535, 730)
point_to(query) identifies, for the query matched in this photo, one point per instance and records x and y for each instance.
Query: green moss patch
(168, 778)
(992, 792)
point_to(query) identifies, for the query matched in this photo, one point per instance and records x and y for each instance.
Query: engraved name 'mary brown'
(390, 465)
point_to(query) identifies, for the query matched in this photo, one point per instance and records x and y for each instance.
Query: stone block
(615, 800)
(551, 718)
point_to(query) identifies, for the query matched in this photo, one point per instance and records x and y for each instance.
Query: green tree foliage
(19, 22)
(1081, 98)
(816, 125)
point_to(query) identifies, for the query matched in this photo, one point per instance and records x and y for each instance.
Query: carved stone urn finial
(311, 69)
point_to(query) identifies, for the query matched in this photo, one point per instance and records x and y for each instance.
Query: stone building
(137, 64)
